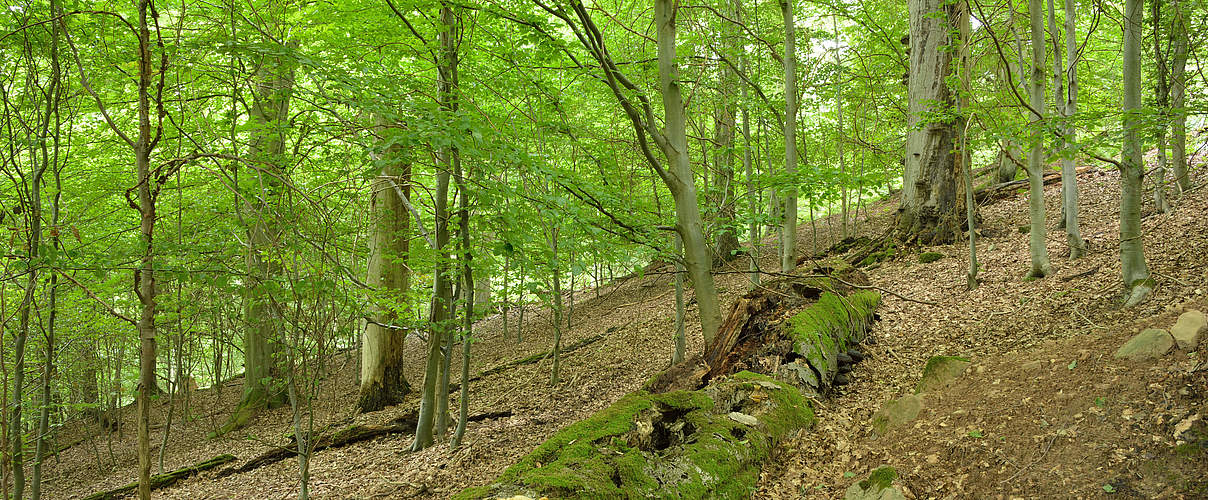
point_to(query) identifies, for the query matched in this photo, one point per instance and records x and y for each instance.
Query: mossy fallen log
(697, 432)
(163, 480)
(686, 444)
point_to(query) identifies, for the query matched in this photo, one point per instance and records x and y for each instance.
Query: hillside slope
(1005, 326)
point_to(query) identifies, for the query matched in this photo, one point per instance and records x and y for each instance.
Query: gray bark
(1178, 90)
(932, 203)
(1067, 105)
(788, 228)
(1137, 283)
(1036, 242)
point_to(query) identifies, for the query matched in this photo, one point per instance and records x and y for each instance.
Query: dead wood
(344, 437)
(164, 480)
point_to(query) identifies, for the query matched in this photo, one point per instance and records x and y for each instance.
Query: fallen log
(163, 480)
(702, 428)
(1005, 189)
(528, 360)
(344, 437)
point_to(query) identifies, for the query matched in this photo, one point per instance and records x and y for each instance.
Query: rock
(842, 379)
(929, 257)
(744, 419)
(896, 412)
(941, 371)
(1151, 343)
(856, 356)
(1189, 329)
(878, 486)
(845, 359)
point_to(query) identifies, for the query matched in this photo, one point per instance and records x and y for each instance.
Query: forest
(604, 249)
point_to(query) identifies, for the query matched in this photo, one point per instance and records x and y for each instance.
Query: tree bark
(262, 374)
(442, 287)
(1137, 283)
(383, 382)
(788, 229)
(932, 202)
(1037, 248)
(681, 184)
(1162, 99)
(1067, 105)
(1178, 90)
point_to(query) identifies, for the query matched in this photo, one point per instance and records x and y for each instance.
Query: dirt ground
(1044, 411)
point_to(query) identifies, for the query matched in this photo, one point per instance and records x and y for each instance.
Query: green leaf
(976, 433)
(1109, 488)
(1073, 364)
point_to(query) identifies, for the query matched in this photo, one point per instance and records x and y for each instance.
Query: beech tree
(932, 198)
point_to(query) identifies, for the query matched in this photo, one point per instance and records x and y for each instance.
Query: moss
(830, 325)
(882, 477)
(939, 371)
(718, 459)
(929, 257)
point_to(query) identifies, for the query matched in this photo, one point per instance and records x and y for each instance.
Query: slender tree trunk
(1037, 249)
(1178, 90)
(839, 122)
(1067, 105)
(442, 289)
(467, 280)
(682, 187)
(748, 170)
(788, 235)
(723, 162)
(678, 354)
(1162, 98)
(1137, 283)
(556, 282)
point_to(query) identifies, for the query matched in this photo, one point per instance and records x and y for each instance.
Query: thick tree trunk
(788, 228)
(1037, 235)
(383, 382)
(1137, 283)
(932, 202)
(262, 374)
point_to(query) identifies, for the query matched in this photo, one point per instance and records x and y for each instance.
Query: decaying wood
(1003, 190)
(164, 480)
(344, 437)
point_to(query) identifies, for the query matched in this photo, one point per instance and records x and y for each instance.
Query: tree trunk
(556, 286)
(788, 230)
(678, 354)
(1178, 89)
(1137, 283)
(1162, 99)
(1067, 105)
(839, 122)
(383, 382)
(723, 162)
(681, 185)
(932, 203)
(1036, 243)
(467, 325)
(262, 374)
(442, 287)
(748, 170)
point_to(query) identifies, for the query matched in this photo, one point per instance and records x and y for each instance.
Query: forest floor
(1043, 412)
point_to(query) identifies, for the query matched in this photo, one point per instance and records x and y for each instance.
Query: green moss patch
(941, 371)
(830, 326)
(675, 445)
(929, 257)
